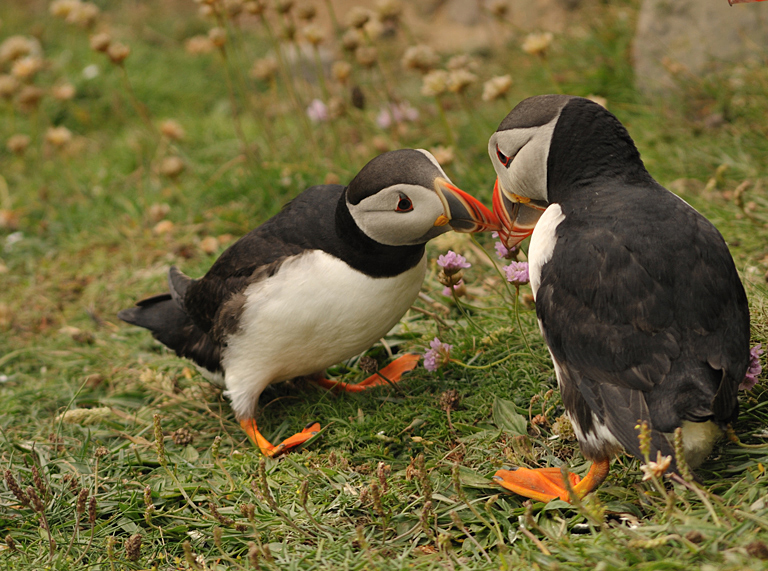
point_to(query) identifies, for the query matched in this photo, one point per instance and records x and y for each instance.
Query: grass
(399, 478)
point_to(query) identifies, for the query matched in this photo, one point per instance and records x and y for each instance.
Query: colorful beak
(464, 212)
(517, 219)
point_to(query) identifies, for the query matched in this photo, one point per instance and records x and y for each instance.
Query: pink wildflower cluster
(438, 355)
(755, 368)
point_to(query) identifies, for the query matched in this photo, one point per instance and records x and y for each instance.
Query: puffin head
(548, 146)
(404, 198)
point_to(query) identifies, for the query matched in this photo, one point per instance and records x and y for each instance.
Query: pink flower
(755, 368)
(458, 287)
(317, 111)
(452, 262)
(438, 355)
(501, 250)
(396, 113)
(517, 273)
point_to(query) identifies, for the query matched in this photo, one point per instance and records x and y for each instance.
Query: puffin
(636, 293)
(316, 284)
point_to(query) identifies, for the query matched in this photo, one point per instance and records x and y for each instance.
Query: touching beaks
(517, 219)
(462, 211)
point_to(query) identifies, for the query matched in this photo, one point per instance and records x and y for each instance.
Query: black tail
(171, 326)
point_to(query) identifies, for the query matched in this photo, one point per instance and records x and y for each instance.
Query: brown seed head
(218, 36)
(15, 47)
(182, 436)
(341, 70)
(199, 45)
(283, 6)
(352, 39)
(357, 17)
(314, 34)
(366, 56)
(117, 52)
(58, 136)
(100, 42)
(133, 547)
(420, 57)
(264, 69)
(18, 143)
(27, 67)
(13, 485)
(306, 11)
(82, 497)
(172, 129)
(63, 91)
(171, 167)
(255, 7)
(8, 86)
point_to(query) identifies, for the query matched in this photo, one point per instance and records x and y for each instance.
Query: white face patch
(527, 151)
(542, 243)
(378, 218)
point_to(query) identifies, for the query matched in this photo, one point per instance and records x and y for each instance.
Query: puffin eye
(504, 159)
(404, 204)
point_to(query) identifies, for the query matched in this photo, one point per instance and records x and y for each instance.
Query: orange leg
(268, 449)
(545, 484)
(391, 373)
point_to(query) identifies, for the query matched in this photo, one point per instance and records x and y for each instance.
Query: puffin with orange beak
(314, 285)
(637, 295)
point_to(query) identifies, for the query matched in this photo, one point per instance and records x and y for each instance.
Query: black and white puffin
(637, 295)
(316, 284)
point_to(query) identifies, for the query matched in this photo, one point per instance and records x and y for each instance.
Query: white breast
(313, 313)
(543, 243)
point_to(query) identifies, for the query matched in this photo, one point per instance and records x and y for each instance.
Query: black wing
(644, 311)
(214, 301)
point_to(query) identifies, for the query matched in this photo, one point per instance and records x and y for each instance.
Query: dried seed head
(314, 34)
(264, 69)
(111, 542)
(37, 503)
(83, 14)
(306, 11)
(389, 10)
(682, 464)
(248, 511)
(63, 91)
(382, 471)
(15, 47)
(29, 97)
(352, 39)
(357, 17)
(92, 510)
(233, 8)
(341, 70)
(100, 42)
(159, 440)
(218, 36)
(304, 492)
(366, 56)
(376, 495)
(537, 44)
(182, 436)
(459, 80)
(368, 364)
(172, 129)
(694, 536)
(498, 8)
(496, 87)
(283, 6)
(434, 83)
(215, 448)
(38, 481)
(148, 496)
(26, 67)
(450, 400)
(253, 555)
(199, 45)
(8, 86)
(13, 485)
(171, 167)
(17, 144)
(82, 497)
(420, 57)
(133, 547)
(255, 7)
(218, 516)
(100, 452)
(117, 52)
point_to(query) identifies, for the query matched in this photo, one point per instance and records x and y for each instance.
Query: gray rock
(694, 36)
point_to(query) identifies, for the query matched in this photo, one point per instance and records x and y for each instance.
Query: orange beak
(517, 219)
(464, 212)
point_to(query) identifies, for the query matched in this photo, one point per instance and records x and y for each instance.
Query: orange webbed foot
(392, 373)
(546, 484)
(267, 448)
